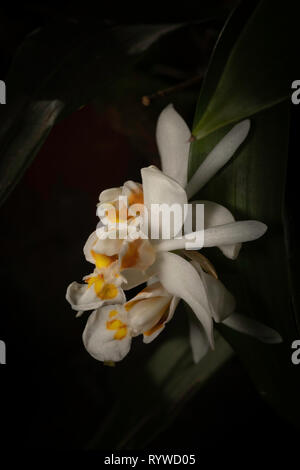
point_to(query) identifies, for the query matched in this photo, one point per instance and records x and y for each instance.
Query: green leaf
(252, 185)
(258, 71)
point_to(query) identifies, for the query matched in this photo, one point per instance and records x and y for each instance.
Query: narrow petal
(236, 232)
(106, 337)
(198, 339)
(83, 297)
(228, 234)
(216, 214)
(181, 279)
(163, 190)
(217, 158)
(252, 327)
(221, 301)
(172, 136)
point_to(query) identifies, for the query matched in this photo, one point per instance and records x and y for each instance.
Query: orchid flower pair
(121, 264)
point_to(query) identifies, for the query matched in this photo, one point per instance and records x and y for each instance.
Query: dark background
(53, 394)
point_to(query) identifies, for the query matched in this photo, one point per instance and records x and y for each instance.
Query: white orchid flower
(187, 275)
(109, 330)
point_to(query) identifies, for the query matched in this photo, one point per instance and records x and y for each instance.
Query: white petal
(228, 234)
(100, 340)
(198, 339)
(172, 136)
(148, 338)
(108, 247)
(152, 290)
(83, 298)
(221, 301)
(181, 279)
(217, 158)
(89, 246)
(131, 189)
(147, 308)
(252, 327)
(145, 314)
(134, 277)
(109, 195)
(236, 232)
(160, 189)
(216, 214)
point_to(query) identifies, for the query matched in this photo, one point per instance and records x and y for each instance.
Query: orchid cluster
(169, 271)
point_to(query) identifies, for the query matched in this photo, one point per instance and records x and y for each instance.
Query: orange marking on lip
(136, 197)
(132, 255)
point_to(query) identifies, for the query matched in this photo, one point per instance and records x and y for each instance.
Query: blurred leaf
(152, 384)
(252, 185)
(258, 71)
(56, 71)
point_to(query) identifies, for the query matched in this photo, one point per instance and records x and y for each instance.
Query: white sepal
(181, 279)
(172, 136)
(252, 327)
(217, 158)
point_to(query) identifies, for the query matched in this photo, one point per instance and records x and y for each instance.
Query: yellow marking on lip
(121, 333)
(103, 261)
(96, 281)
(114, 324)
(132, 255)
(103, 291)
(119, 326)
(112, 313)
(109, 291)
